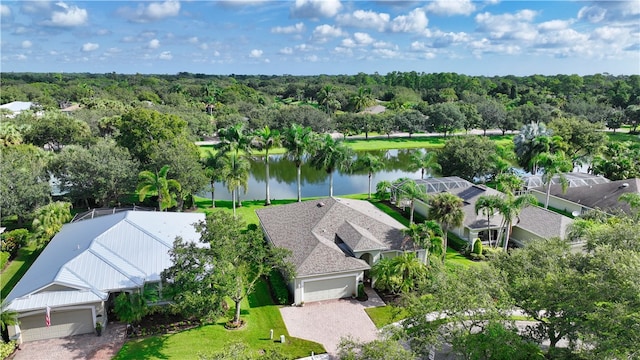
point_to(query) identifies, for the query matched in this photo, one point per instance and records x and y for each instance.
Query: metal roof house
(89, 260)
(334, 242)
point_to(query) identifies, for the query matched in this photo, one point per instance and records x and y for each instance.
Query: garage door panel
(63, 323)
(329, 289)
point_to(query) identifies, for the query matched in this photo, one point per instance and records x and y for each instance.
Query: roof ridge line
(112, 265)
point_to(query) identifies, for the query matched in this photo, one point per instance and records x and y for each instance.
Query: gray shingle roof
(470, 196)
(309, 230)
(543, 222)
(598, 196)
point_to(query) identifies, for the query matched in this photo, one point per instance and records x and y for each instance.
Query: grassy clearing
(386, 315)
(260, 315)
(17, 267)
(620, 137)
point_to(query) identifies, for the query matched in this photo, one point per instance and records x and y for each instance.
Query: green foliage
(14, 240)
(386, 349)
(279, 287)
(57, 129)
(49, 220)
(132, 307)
(7, 349)
(496, 342)
(157, 184)
(446, 209)
(477, 247)
(330, 155)
(468, 157)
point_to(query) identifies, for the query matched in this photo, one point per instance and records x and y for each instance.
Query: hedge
(279, 289)
(4, 259)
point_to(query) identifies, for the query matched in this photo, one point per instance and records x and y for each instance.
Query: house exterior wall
(521, 237)
(559, 203)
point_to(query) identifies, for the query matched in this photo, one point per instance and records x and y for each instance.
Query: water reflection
(316, 182)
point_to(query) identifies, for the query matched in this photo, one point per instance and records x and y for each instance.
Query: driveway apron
(327, 322)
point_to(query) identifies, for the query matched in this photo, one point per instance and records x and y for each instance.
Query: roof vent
(320, 204)
(623, 185)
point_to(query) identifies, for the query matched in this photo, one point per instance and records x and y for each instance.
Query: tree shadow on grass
(151, 347)
(28, 256)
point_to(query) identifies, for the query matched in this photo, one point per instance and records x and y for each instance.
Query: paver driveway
(326, 322)
(87, 346)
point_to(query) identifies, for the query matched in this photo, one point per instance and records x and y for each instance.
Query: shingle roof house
(533, 222)
(89, 260)
(333, 242)
(603, 196)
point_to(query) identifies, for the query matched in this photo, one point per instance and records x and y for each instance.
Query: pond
(315, 182)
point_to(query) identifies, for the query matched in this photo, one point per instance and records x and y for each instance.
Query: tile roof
(309, 230)
(112, 252)
(598, 196)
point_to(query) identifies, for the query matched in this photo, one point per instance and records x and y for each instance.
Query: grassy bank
(17, 267)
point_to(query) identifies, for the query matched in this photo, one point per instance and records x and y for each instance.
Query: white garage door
(63, 323)
(329, 289)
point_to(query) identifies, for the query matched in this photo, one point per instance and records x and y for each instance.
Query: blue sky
(310, 37)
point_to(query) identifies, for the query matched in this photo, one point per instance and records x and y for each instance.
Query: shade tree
(468, 157)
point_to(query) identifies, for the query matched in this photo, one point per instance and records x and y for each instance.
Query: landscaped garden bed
(161, 322)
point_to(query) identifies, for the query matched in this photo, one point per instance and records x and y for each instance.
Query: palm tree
(331, 155)
(327, 98)
(371, 164)
(49, 220)
(361, 99)
(234, 139)
(554, 165)
(267, 139)
(510, 208)
(427, 235)
(298, 141)
(156, 183)
(382, 189)
(7, 318)
(410, 190)
(235, 175)
(427, 162)
(446, 209)
(488, 204)
(411, 272)
(213, 171)
(508, 183)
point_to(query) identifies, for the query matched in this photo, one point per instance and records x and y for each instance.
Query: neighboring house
(532, 224)
(16, 107)
(578, 200)
(574, 179)
(334, 242)
(88, 263)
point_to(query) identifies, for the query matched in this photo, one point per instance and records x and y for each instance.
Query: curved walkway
(87, 346)
(327, 322)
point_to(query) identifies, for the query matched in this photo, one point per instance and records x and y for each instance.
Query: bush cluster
(7, 349)
(279, 289)
(14, 240)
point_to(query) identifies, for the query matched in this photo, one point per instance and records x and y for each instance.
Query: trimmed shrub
(4, 259)
(7, 349)
(280, 292)
(477, 246)
(14, 240)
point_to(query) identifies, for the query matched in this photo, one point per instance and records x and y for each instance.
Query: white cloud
(103, 32)
(480, 47)
(443, 39)
(286, 51)
(34, 7)
(90, 47)
(154, 44)
(68, 16)
(608, 33)
(323, 33)
(415, 21)
(26, 44)
(508, 26)
(152, 12)
(193, 40)
(203, 46)
(293, 29)
(384, 45)
(304, 48)
(21, 57)
(387, 53)
(314, 9)
(362, 38)
(451, 7)
(364, 19)
(255, 53)
(312, 58)
(554, 25)
(419, 46)
(5, 11)
(560, 38)
(592, 14)
(165, 55)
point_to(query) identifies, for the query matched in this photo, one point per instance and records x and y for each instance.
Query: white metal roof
(17, 106)
(119, 251)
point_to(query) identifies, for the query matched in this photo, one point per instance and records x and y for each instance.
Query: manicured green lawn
(17, 267)
(620, 137)
(385, 315)
(259, 313)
